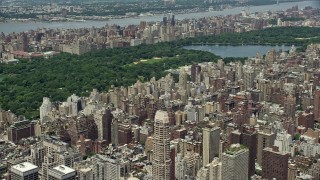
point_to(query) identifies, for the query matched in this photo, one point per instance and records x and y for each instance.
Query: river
(237, 51)
(25, 26)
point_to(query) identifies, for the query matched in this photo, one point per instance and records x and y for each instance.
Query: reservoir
(10, 27)
(237, 51)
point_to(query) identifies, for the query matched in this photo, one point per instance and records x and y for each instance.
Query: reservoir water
(237, 51)
(10, 27)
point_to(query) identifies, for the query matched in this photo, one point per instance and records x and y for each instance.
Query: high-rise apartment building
(283, 141)
(124, 134)
(211, 143)
(103, 120)
(290, 106)
(248, 76)
(24, 171)
(316, 99)
(183, 79)
(195, 72)
(235, 163)
(271, 57)
(161, 147)
(45, 108)
(265, 139)
(247, 137)
(274, 163)
(306, 119)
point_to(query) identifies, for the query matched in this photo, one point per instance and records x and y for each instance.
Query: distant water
(237, 51)
(25, 26)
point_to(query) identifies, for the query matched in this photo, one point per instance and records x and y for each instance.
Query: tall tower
(211, 143)
(161, 147)
(235, 163)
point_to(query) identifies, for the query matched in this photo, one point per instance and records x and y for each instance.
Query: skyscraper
(24, 170)
(235, 163)
(211, 143)
(274, 163)
(161, 147)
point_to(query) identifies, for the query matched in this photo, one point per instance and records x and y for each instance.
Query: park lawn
(152, 60)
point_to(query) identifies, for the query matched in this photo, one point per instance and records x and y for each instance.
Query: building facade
(161, 147)
(235, 163)
(274, 163)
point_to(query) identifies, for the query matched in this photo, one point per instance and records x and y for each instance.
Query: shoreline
(106, 18)
(8, 27)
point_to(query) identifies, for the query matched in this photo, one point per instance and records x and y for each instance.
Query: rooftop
(235, 148)
(162, 116)
(24, 167)
(62, 169)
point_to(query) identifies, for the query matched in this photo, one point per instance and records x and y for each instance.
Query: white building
(235, 163)
(161, 147)
(309, 149)
(211, 171)
(283, 141)
(62, 172)
(24, 171)
(45, 108)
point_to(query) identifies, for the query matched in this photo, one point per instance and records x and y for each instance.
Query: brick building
(20, 130)
(274, 163)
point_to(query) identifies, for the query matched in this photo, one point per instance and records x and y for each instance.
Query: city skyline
(143, 101)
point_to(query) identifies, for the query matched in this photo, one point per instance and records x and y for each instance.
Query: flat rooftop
(24, 167)
(62, 170)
